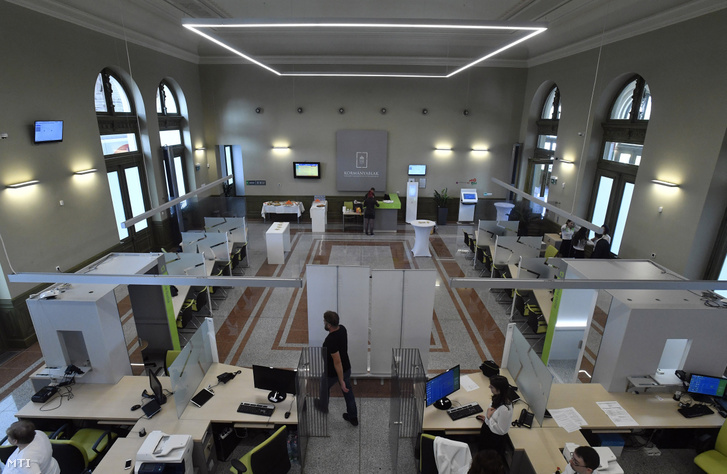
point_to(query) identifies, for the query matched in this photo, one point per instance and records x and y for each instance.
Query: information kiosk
(467, 204)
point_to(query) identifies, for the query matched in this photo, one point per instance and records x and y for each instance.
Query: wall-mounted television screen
(309, 170)
(46, 131)
(417, 170)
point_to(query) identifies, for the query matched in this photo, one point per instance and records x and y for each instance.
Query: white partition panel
(418, 310)
(353, 309)
(386, 309)
(322, 293)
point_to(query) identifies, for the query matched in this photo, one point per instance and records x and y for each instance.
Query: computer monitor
(707, 385)
(278, 381)
(156, 388)
(442, 386)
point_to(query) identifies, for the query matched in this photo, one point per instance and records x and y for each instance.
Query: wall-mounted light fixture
(665, 183)
(258, 110)
(281, 147)
(442, 148)
(480, 150)
(425, 111)
(383, 110)
(88, 171)
(23, 184)
(567, 162)
(341, 111)
(299, 110)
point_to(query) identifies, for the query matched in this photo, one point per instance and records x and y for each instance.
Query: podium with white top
(277, 240)
(422, 229)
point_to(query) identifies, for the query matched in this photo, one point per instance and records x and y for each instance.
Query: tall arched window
(623, 140)
(119, 131)
(170, 137)
(541, 164)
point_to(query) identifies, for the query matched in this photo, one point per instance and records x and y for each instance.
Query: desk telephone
(525, 419)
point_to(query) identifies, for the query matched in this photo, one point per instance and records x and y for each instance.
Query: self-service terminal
(467, 204)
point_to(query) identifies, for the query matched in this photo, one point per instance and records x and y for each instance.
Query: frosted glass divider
(386, 318)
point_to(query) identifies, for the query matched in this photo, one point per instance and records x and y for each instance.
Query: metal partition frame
(408, 380)
(311, 422)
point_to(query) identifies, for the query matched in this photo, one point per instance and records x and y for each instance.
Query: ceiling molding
(661, 20)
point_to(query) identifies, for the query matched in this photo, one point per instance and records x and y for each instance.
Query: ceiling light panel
(377, 48)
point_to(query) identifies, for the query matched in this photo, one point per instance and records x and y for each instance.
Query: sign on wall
(361, 157)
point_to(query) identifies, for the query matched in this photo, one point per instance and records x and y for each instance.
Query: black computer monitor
(156, 388)
(278, 381)
(442, 386)
(707, 385)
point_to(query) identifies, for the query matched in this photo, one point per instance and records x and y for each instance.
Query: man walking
(339, 367)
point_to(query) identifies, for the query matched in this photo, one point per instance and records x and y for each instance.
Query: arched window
(541, 164)
(119, 132)
(170, 137)
(623, 142)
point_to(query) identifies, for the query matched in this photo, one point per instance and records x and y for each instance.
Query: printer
(165, 454)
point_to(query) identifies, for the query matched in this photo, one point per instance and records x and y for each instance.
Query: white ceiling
(573, 26)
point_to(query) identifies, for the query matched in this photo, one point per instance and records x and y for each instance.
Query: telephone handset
(525, 419)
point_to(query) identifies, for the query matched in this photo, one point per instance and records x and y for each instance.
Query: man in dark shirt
(338, 366)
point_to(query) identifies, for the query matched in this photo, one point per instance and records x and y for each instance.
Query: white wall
(49, 71)
(493, 96)
(683, 140)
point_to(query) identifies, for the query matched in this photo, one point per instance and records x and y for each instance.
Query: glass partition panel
(408, 399)
(530, 374)
(191, 365)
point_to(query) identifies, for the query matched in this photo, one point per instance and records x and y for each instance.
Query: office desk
(222, 408)
(106, 403)
(422, 229)
(277, 240)
(552, 239)
(545, 302)
(543, 447)
(350, 214)
(646, 409)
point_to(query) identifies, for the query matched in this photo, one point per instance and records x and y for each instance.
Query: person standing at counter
(370, 204)
(566, 234)
(578, 243)
(498, 417)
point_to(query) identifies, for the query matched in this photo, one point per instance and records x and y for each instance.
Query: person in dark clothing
(497, 418)
(339, 367)
(602, 244)
(578, 243)
(370, 204)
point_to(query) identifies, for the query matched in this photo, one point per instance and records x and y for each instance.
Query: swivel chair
(714, 461)
(427, 461)
(91, 442)
(268, 457)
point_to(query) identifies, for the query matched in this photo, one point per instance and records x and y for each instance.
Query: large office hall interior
(609, 113)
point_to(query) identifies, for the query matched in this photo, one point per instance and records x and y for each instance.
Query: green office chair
(169, 360)
(268, 457)
(427, 462)
(714, 461)
(91, 442)
(550, 251)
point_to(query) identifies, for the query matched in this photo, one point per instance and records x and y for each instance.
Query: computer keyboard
(695, 410)
(463, 411)
(262, 409)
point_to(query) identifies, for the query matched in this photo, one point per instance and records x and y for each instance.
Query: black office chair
(71, 458)
(238, 255)
(427, 461)
(268, 457)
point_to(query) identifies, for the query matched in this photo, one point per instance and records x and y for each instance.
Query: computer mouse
(135, 407)
(287, 414)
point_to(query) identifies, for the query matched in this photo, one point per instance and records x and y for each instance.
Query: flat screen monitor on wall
(46, 131)
(441, 386)
(417, 170)
(306, 170)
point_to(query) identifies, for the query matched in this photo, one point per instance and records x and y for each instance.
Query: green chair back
(427, 462)
(268, 457)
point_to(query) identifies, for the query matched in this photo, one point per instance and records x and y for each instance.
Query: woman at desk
(496, 421)
(578, 243)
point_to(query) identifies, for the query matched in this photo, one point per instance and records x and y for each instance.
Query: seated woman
(498, 418)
